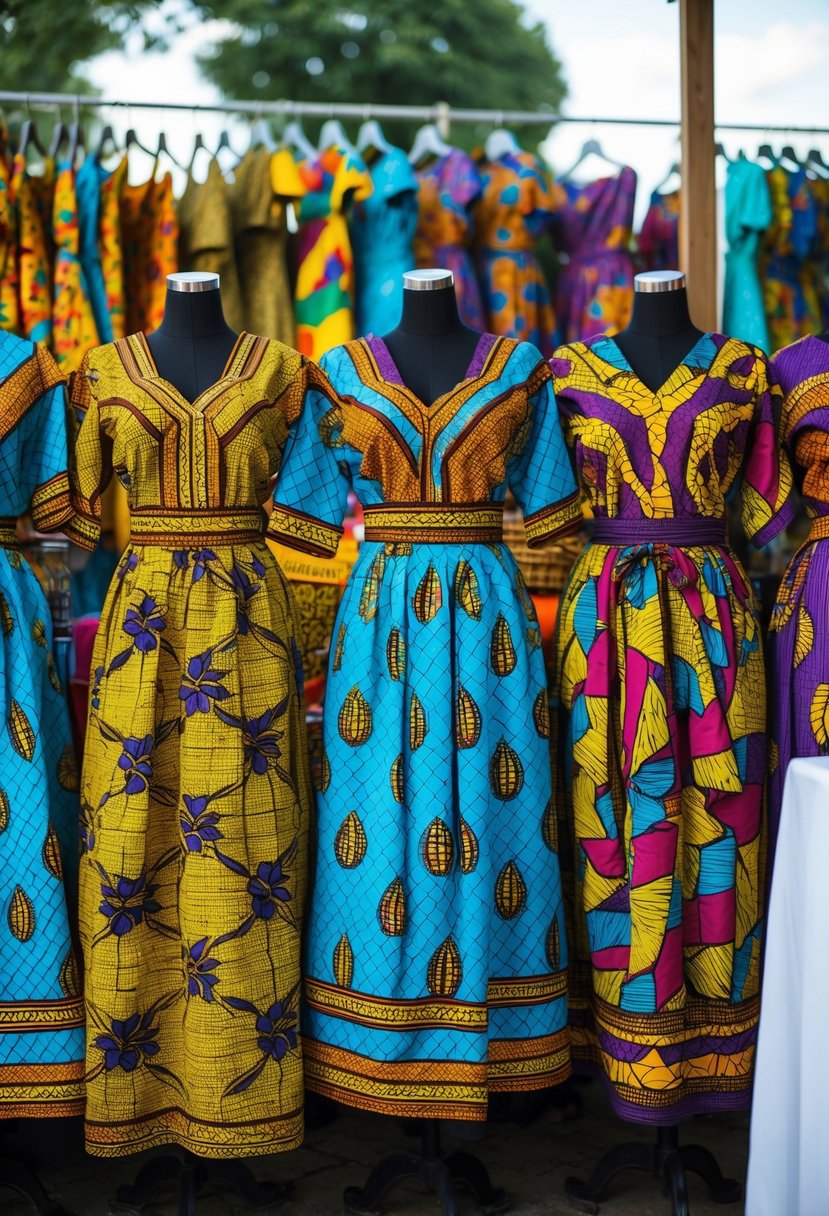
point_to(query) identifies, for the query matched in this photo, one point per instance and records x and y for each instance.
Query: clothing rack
(441, 113)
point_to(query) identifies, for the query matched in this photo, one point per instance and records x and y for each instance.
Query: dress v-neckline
(625, 364)
(228, 373)
(390, 372)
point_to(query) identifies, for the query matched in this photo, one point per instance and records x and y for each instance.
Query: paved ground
(531, 1163)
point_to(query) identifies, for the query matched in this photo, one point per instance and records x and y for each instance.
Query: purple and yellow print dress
(515, 208)
(449, 189)
(593, 228)
(195, 793)
(41, 1002)
(662, 742)
(799, 628)
(436, 957)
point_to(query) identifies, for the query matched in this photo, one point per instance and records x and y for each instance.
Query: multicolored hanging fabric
(593, 229)
(9, 301)
(516, 205)
(325, 272)
(791, 304)
(449, 188)
(661, 723)
(41, 1003)
(35, 248)
(195, 783)
(382, 232)
(73, 321)
(798, 639)
(205, 237)
(436, 958)
(149, 235)
(658, 239)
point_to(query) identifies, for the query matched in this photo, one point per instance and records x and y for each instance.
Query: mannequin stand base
(667, 1160)
(188, 1175)
(20, 1178)
(438, 1172)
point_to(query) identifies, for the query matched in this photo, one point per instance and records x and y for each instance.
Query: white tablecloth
(788, 1169)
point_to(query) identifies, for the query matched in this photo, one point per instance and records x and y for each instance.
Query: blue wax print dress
(436, 952)
(42, 1048)
(382, 236)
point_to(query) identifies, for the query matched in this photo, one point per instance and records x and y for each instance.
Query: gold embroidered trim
(551, 521)
(215, 1140)
(435, 524)
(301, 531)
(17, 1016)
(819, 529)
(51, 505)
(8, 533)
(187, 528)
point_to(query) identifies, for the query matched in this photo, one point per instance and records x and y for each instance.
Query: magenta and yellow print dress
(799, 629)
(435, 965)
(662, 723)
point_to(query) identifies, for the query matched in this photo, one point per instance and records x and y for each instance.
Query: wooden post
(698, 200)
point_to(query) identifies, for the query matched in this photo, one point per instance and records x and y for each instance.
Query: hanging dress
(593, 229)
(205, 237)
(332, 181)
(791, 304)
(195, 792)
(41, 1003)
(264, 183)
(658, 240)
(799, 627)
(435, 964)
(661, 742)
(149, 236)
(382, 233)
(9, 288)
(32, 194)
(96, 187)
(515, 208)
(73, 321)
(450, 186)
(747, 216)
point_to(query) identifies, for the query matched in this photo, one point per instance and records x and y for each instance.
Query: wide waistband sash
(8, 533)
(435, 524)
(680, 532)
(188, 529)
(819, 529)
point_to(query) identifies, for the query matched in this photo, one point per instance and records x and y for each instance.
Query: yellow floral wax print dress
(195, 790)
(436, 958)
(662, 742)
(32, 196)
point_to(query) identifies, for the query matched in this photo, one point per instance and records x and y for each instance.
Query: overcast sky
(620, 57)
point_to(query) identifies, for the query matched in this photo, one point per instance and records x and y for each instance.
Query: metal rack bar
(438, 112)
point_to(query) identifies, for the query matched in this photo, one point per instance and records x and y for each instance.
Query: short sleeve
(767, 500)
(352, 177)
(461, 179)
(286, 179)
(310, 496)
(45, 451)
(540, 474)
(91, 463)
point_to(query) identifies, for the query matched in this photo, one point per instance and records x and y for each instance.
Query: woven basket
(545, 570)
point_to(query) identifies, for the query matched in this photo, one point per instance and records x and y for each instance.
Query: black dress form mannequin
(824, 337)
(191, 349)
(432, 350)
(660, 335)
(431, 347)
(193, 343)
(661, 332)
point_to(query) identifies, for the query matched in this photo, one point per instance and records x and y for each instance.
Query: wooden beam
(698, 200)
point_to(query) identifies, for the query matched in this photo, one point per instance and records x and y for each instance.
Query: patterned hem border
(552, 522)
(66, 1013)
(50, 1108)
(51, 504)
(626, 1104)
(437, 1089)
(216, 1140)
(303, 532)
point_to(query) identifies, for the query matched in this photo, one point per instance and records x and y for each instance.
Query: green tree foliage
(480, 54)
(46, 42)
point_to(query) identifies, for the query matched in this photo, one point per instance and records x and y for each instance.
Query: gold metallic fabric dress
(195, 793)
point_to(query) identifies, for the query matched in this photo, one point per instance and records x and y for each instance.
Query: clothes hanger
(592, 147)
(428, 144)
(164, 150)
(131, 140)
(788, 153)
(294, 137)
(673, 171)
(29, 136)
(501, 143)
(107, 136)
(58, 135)
(766, 152)
(370, 137)
(261, 135)
(332, 135)
(815, 161)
